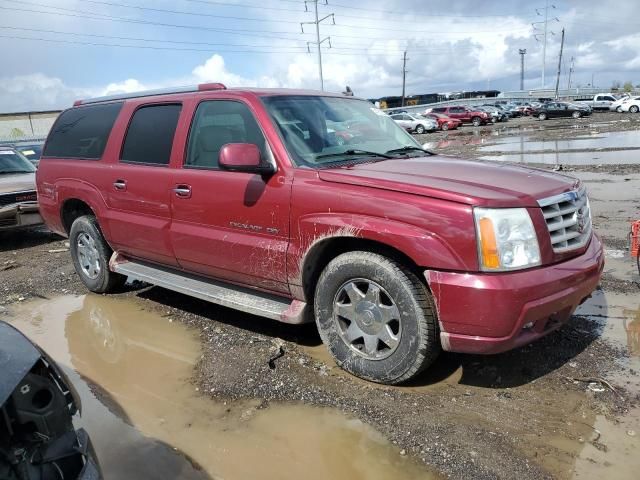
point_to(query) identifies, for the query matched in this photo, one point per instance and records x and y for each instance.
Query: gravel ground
(467, 417)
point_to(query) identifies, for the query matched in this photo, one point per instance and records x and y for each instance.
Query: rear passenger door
(140, 182)
(229, 225)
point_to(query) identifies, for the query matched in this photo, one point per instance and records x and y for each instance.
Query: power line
(228, 17)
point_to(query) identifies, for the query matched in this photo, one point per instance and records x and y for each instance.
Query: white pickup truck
(601, 101)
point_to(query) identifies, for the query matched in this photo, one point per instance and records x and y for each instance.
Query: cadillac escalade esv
(245, 198)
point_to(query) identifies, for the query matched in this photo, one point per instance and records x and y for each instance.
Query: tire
(476, 121)
(542, 116)
(90, 254)
(633, 109)
(420, 129)
(619, 109)
(403, 313)
(445, 127)
(576, 114)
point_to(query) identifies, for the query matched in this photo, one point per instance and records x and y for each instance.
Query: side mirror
(243, 157)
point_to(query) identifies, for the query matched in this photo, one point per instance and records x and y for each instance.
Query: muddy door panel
(234, 226)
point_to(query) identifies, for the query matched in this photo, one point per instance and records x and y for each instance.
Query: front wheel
(576, 114)
(376, 318)
(542, 116)
(619, 109)
(90, 254)
(445, 126)
(476, 121)
(420, 129)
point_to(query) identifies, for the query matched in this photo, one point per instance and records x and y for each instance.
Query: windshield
(319, 131)
(13, 162)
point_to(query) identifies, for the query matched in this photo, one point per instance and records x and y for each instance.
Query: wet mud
(133, 371)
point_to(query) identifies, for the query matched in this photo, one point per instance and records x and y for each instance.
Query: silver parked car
(415, 123)
(18, 197)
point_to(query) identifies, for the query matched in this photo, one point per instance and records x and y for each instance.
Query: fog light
(528, 325)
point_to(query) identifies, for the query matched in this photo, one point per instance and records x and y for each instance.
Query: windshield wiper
(16, 171)
(409, 148)
(352, 152)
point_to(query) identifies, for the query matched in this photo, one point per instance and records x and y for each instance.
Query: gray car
(415, 123)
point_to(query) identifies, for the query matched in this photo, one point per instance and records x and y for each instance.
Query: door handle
(120, 185)
(182, 191)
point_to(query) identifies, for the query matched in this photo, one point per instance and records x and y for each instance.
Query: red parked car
(464, 114)
(444, 122)
(239, 197)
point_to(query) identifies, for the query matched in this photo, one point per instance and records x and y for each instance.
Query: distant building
(25, 125)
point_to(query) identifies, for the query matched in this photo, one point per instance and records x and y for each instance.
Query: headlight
(506, 239)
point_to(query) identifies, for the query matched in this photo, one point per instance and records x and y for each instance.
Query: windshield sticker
(28, 152)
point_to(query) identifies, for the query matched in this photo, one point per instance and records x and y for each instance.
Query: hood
(457, 180)
(17, 182)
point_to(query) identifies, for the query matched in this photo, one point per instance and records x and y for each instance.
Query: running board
(221, 293)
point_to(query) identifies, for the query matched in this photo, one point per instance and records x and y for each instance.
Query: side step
(220, 293)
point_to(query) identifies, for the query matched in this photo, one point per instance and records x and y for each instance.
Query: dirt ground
(529, 413)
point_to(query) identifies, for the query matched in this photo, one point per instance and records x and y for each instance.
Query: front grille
(568, 218)
(18, 197)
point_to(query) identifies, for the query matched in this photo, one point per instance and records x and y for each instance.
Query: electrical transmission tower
(545, 32)
(318, 42)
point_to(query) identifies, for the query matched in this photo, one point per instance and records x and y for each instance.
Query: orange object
(489, 246)
(635, 238)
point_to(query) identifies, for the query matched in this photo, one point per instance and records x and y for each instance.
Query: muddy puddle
(132, 369)
(620, 140)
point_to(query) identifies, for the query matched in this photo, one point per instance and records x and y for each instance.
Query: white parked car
(415, 123)
(615, 106)
(630, 105)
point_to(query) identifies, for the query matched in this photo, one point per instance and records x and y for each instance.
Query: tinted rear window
(82, 132)
(150, 134)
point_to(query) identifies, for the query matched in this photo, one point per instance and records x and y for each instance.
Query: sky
(57, 51)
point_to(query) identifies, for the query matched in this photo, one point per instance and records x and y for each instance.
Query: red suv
(246, 198)
(464, 114)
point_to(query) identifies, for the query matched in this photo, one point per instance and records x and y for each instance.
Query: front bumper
(492, 313)
(19, 215)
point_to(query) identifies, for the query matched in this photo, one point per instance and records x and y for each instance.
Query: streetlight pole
(318, 42)
(522, 53)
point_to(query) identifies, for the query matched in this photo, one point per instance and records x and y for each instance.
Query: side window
(82, 132)
(439, 110)
(150, 135)
(216, 123)
(610, 99)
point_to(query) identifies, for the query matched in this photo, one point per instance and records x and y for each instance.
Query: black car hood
(17, 356)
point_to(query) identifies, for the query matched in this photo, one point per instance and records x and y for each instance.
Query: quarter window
(150, 135)
(216, 123)
(82, 132)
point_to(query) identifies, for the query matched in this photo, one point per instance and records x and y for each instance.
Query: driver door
(229, 225)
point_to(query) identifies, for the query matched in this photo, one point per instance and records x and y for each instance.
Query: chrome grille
(17, 197)
(568, 218)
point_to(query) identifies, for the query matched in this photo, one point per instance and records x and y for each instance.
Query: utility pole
(318, 42)
(546, 31)
(404, 75)
(559, 64)
(570, 72)
(522, 53)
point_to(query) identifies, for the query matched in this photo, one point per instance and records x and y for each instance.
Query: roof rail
(149, 93)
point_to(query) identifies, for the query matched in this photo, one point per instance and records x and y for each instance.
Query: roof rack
(149, 93)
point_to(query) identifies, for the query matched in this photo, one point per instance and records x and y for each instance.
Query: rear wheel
(634, 109)
(90, 254)
(542, 116)
(376, 318)
(476, 121)
(445, 126)
(420, 129)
